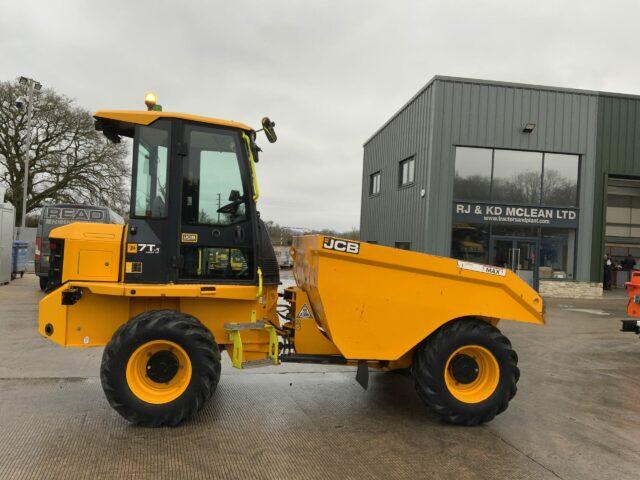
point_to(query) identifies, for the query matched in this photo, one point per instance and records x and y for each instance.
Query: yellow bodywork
(141, 117)
(376, 302)
(358, 300)
(91, 251)
(105, 306)
(93, 256)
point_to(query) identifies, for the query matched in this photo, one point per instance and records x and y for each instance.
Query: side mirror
(267, 126)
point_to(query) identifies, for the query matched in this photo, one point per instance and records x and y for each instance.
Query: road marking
(590, 311)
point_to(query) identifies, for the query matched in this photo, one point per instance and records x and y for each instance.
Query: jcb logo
(341, 245)
(189, 238)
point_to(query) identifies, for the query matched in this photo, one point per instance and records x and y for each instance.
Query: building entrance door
(518, 254)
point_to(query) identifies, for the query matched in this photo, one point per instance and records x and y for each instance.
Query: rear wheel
(43, 283)
(466, 372)
(160, 367)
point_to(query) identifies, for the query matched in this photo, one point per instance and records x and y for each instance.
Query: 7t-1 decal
(143, 248)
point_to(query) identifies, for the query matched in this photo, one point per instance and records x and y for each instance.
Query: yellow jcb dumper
(194, 273)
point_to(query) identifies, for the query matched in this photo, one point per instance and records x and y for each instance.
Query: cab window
(151, 153)
(214, 263)
(212, 182)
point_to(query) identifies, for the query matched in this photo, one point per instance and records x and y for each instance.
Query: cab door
(218, 217)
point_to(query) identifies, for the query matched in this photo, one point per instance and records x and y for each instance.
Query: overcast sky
(329, 73)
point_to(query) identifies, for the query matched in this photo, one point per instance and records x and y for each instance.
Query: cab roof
(144, 117)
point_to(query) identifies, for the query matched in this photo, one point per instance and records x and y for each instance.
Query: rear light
(38, 247)
(55, 264)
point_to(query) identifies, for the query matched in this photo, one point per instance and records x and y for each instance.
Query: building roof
(144, 117)
(497, 83)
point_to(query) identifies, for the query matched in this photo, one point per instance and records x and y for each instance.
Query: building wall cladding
(452, 112)
(482, 114)
(399, 214)
(618, 153)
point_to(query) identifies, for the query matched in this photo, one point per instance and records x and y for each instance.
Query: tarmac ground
(576, 414)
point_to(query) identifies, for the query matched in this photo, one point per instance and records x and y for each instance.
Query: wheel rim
(158, 371)
(472, 374)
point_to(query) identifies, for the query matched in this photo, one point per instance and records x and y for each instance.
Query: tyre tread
(427, 357)
(163, 320)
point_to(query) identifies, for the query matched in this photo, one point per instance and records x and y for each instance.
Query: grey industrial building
(542, 180)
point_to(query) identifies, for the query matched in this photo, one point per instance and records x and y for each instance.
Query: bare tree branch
(69, 160)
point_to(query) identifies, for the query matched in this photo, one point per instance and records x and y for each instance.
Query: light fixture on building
(528, 128)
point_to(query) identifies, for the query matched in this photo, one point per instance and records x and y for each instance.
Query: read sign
(472, 212)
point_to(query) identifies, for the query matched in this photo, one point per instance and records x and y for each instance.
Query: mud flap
(362, 375)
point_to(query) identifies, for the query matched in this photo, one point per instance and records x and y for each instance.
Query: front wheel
(159, 368)
(466, 372)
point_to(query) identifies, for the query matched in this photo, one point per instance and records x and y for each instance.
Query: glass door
(517, 254)
(525, 254)
(217, 233)
(502, 252)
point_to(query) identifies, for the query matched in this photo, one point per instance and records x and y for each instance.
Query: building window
(516, 177)
(557, 247)
(406, 172)
(403, 245)
(374, 183)
(473, 174)
(560, 180)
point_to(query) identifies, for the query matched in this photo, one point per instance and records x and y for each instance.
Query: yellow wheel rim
(158, 371)
(472, 374)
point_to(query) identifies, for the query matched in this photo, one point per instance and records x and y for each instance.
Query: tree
(281, 235)
(69, 160)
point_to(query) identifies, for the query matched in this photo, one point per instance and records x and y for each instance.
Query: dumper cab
(193, 198)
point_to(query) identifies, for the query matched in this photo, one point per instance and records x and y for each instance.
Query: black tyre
(466, 372)
(43, 283)
(159, 368)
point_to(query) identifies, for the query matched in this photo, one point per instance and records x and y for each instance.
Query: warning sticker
(133, 267)
(478, 267)
(304, 312)
(132, 248)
